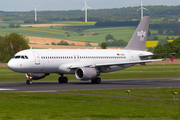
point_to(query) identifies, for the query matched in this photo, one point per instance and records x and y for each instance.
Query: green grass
(135, 72)
(53, 106)
(165, 93)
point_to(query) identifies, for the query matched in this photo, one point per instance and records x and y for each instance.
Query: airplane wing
(117, 63)
(155, 55)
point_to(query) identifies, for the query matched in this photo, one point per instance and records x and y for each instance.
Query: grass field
(89, 29)
(163, 93)
(135, 72)
(53, 106)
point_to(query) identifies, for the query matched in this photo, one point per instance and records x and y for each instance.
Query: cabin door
(131, 56)
(37, 58)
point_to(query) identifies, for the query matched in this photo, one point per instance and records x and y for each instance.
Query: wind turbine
(36, 11)
(85, 8)
(142, 8)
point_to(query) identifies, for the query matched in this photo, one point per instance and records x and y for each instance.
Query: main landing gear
(96, 80)
(63, 79)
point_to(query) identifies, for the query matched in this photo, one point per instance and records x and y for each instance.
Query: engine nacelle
(85, 73)
(36, 76)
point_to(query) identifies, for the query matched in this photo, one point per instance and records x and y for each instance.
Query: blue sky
(25, 5)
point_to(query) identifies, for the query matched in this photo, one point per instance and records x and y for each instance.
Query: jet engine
(85, 73)
(36, 76)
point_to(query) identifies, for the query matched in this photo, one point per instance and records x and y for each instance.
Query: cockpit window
(17, 57)
(20, 57)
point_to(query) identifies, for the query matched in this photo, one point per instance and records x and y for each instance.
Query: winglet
(172, 58)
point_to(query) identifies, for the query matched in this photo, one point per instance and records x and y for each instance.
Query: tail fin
(138, 40)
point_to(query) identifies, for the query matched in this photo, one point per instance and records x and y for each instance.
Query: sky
(56, 5)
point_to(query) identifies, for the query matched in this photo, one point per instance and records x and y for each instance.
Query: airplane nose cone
(11, 65)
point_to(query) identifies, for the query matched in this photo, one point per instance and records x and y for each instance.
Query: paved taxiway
(38, 86)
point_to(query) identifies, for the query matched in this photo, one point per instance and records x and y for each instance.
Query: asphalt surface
(39, 86)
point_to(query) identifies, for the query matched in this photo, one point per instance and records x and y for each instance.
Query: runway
(39, 86)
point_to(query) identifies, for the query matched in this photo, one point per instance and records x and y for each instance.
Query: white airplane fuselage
(60, 60)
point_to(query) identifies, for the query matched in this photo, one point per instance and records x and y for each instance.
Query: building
(1, 20)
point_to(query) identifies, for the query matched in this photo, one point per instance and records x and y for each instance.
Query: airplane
(86, 64)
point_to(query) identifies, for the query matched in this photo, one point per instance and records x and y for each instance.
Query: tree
(68, 35)
(162, 42)
(160, 31)
(103, 45)
(17, 26)
(170, 47)
(53, 43)
(171, 32)
(63, 43)
(79, 31)
(155, 38)
(150, 49)
(88, 44)
(12, 25)
(10, 44)
(158, 50)
(165, 20)
(167, 38)
(108, 37)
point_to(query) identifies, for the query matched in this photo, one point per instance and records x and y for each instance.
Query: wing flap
(128, 62)
(117, 63)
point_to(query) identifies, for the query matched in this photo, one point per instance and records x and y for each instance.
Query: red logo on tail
(172, 58)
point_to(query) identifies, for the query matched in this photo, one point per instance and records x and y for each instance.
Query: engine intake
(85, 73)
(36, 76)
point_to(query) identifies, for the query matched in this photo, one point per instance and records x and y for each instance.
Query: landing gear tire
(60, 80)
(93, 81)
(29, 82)
(63, 80)
(96, 80)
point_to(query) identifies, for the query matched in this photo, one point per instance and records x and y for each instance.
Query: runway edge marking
(4, 89)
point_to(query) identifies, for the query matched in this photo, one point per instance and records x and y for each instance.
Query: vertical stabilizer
(138, 40)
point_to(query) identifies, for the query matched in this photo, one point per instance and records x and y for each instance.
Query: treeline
(116, 23)
(116, 14)
(169, 47)
(113, 42)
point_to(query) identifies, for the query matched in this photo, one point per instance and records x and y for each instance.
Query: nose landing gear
(29, 82)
